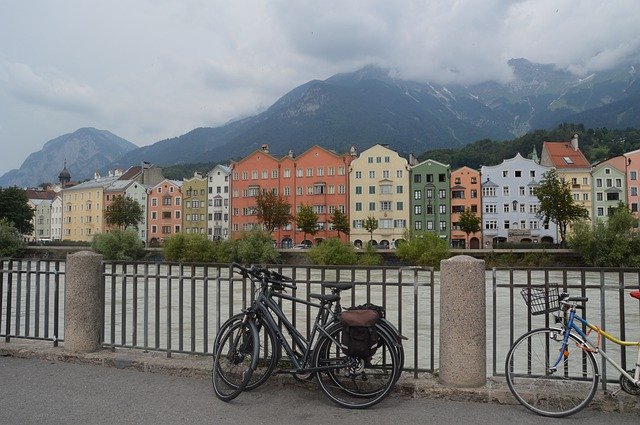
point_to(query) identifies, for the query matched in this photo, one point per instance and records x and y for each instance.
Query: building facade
(509, 207)
(430, 198)
(609, 187)
(194, 192)
(379, 190)
(466, 193)
(218, 198)
(164, 211)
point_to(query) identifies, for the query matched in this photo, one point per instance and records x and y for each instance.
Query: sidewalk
(192, 366)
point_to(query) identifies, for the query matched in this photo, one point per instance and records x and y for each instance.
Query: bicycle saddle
(338, 286)
(635, 294)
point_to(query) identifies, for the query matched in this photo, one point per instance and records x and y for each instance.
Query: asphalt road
(50, 392)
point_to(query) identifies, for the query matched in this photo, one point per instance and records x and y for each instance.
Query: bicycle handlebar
(276, 279)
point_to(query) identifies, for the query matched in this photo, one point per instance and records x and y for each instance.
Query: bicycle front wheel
(558, 393)
(235, 357)
(268, 356)
(352, 382)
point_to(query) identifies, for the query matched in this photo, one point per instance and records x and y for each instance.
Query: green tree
(189, 248)
(118, 245)
(424, 248)
(370, 225)
(272, 210)
(252, 247)
(11, 243)
(14, 206)
(557, 205)
(469, 223)
(340, 222)
(124, 212)
(333, 251)
(307, 220)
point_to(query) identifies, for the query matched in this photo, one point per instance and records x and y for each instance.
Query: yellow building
(379, 189)
(83, 205)
(194, 191)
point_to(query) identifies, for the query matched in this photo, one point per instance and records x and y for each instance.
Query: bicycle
(349, 382)
(553, 371)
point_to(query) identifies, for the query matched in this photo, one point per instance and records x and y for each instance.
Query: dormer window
(568, 160)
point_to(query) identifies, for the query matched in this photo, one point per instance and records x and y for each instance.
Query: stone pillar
(463, 339)
(83, 302)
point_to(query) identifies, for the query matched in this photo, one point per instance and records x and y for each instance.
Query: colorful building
(430, 200)
(465, 194)
(609, 187)
(632, 171)
(164, 211)
(379, 190)
(194, 191)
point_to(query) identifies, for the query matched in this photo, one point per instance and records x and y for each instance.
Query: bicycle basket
(540, 300)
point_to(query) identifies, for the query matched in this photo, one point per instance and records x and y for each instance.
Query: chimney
(412, 160)
(265, 148)
(96, 175)
(353, 152)
(291, 153)
(574, 142)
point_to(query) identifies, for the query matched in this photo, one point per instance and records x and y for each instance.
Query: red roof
(562, 156)
(40, 194)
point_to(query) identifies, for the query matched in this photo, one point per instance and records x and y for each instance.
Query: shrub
(333, 251)
(10, 241)
(118, 245)
(189, 248)
(369, 257)
(425, 249)
(252, 247)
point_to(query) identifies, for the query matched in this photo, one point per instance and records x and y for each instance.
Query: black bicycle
(246, 351)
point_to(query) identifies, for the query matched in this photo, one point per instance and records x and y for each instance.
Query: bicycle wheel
(393, 332)
(351, 382)
(268, 355)
(235, 358)
(561, 393)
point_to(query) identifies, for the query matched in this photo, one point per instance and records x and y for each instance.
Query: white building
(509, 207)
(56, 218)
(218, 202)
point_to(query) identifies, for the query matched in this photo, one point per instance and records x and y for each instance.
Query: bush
(425, 249)
(252, 247)
(369, 257)
(333, 251)
(189, 248)
(11, 242)
(118, 245)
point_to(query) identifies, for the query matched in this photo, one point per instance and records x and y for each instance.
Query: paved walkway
(42, 384)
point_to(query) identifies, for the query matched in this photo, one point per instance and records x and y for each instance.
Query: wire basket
(541, 300)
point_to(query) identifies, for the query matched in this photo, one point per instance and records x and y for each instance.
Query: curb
(199, 366)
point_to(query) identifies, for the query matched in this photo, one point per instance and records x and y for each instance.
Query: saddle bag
(359, 335)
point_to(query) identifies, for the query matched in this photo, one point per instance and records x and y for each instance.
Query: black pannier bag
(359, 335)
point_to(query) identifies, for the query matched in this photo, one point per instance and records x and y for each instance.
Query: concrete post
(83, 302)
(463, 340)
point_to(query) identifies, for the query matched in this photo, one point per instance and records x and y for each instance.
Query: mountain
(370, 106)
(85, 151)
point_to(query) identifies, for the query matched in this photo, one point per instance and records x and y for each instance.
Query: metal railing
(610, 307)
(32, 299)
(178, 308)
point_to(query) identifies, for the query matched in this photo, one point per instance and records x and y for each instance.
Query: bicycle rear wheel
(557, 394)
(235, 357)
(352, 382)
(268, 355)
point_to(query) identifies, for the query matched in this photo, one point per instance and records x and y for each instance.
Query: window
(490, 208)
(358, 190)
(287, 173)
(417, 209)
(505, 173)
(399, 189)
(488, 191)
(299, 172)
(399, 174)
(386, 223)
(633, 175)
(385, 174)
(634, 191)
(442, 177)
(417, 178)
(309, 172)
(358, 206)
(372, 206)
(385, 205)
(372, 174)
(320, 171)
(474, 193)
(417, 225)
(505, 190)
(358, 174)
(399, 206)
(417, 194)
(399, 223)
(505, 208)
(442, 193)
(490, 224)
(518, 173)
(372, 190)
(443, 209)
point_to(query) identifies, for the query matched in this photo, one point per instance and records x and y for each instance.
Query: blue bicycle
(553, 371)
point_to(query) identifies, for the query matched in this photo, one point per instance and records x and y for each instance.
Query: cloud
(48, 90)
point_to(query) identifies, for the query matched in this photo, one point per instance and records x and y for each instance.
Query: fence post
(463, 335)
(83, 302)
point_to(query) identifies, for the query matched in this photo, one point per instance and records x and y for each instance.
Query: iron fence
(610, 307)
(179, 307)
(32, 299)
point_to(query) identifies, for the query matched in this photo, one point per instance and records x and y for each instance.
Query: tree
(189, 247)
(124, 212)
(424, 248)
(370, 225)
(123, 245)
(468, 222)
(11, 242)
(272, 210)
(307, 220)
(14, 206)
(340, 222)
(556, 203)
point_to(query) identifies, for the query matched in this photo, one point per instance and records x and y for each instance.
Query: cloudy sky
(152, 69)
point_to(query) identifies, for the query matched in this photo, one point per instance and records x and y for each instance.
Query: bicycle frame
(572, 327)
(266, 307)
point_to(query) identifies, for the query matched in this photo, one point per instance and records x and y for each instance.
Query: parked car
(303, 245)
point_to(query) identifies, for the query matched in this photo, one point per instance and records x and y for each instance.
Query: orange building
(465, 193)
(318, 177)
(164, 211)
